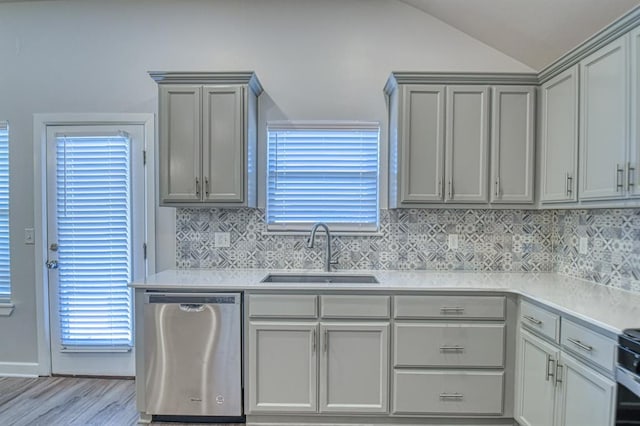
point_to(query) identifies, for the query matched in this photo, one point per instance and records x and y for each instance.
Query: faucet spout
(312, 238)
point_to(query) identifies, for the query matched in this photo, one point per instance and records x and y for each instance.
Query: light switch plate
(583, 248)
(453, 241)
(29, 236)
(221, 239)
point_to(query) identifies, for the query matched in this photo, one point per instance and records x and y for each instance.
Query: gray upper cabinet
(421, 143)
(604, 116)
(512, 144)
(559, 138)
(441, 139)
(207, 138)
(467, 144)
(633, 181)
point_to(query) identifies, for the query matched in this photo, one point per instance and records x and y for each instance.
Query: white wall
(316, 59)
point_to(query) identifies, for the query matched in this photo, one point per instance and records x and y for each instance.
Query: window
(322, 173)
(5, 273)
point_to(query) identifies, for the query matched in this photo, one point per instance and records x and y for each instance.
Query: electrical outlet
(29, 236)
(222, 239)
(583, 248)
(453, 241)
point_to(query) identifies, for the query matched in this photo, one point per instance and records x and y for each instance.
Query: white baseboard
(19, 369)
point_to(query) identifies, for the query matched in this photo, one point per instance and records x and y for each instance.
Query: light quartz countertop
(606, 307)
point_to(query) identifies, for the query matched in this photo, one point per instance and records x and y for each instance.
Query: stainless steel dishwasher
(192, 347)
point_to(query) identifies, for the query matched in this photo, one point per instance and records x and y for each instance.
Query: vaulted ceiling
(535, 32)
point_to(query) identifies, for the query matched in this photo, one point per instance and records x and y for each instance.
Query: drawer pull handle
(550, 368)
(456, 396)
(452, 310)
(455, 348)
(532, 319)
(579, 344)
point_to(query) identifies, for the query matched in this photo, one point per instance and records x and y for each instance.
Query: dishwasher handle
(190, 301)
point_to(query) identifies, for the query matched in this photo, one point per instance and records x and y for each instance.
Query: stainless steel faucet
(311, 239)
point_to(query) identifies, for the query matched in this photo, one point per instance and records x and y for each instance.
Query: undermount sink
(320, 278)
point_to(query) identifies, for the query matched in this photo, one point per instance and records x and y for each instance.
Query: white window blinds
(323, 174)
(94, 239)
(5, 271)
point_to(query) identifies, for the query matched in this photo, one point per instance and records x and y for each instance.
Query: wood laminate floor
(68, 401)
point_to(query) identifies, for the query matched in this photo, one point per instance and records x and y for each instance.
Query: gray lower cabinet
(354, 367)
(297, 363)
(207, 138)
(283, 367)
(555, 388)
(559, 138)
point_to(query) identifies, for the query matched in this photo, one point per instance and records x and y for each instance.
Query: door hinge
(144, 157)
(144, 250)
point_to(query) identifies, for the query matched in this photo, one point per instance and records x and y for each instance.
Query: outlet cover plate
(453, 241)
(583, 248)
(222, 239)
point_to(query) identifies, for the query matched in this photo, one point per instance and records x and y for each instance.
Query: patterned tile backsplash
(613, 246)
(489, 240)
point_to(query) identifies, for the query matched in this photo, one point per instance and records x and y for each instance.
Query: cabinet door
(604, 122)
(282, 367)
(633, 177)
(559, 137)
(354, 367)
(535, 393)
(422, 143)
(180, 148)
(584, 396)
(223, 148)
(512, 144)
(467, 144)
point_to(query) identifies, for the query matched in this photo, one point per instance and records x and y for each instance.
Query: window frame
(293, 228)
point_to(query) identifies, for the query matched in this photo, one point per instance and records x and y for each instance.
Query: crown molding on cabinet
(412, 77)
(609, 33)
(204, 77)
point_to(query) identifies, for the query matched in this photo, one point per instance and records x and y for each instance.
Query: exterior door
(354, 367)
(95, 239)
(283, 367)
(536, 386)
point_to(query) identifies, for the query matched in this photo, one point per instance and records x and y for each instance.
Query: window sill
(6, 309)
(333, 233)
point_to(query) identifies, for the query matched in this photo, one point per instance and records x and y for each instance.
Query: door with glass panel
(95, 247)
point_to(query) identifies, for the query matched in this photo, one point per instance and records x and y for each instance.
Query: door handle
(630, 174)
(52, 264)
(550, 368)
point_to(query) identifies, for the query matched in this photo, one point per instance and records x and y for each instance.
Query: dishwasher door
(192, 349)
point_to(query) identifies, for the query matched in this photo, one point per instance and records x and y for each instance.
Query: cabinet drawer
(449, 345)
(480, 307)
(285, 305)
(540, 321)
(448, 392)
(588, 344)
(354, 306)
